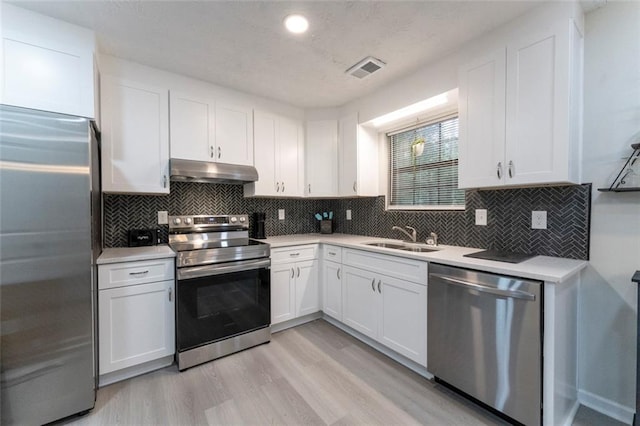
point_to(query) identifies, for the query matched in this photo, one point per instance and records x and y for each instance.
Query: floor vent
(365, 67)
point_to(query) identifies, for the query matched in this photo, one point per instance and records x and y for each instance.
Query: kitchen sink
(386, 245)
(417, 249)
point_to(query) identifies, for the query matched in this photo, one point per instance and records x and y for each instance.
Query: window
(424, 167)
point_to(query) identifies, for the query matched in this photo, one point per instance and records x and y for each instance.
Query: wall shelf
(625, 171)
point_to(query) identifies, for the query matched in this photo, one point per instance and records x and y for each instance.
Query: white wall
(607, 312)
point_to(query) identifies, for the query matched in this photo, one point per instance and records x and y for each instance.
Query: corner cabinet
(46, 64)
(207, 130)
(357, 159)
(136, 318)
(135, 137)
(278, 146)
(520, 111)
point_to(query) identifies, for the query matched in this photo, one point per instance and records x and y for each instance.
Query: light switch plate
(481, 217)
(539, 219)
(281, 214)
(348, 214)
(163, 218)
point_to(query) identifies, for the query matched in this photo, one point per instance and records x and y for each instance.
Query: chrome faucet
(413, 235)
(432, 240)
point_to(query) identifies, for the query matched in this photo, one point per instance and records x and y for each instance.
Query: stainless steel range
(223, 287)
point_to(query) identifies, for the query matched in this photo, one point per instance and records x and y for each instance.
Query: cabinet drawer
(395, 266)
(131, 273)
(294, 254)
(333, 253)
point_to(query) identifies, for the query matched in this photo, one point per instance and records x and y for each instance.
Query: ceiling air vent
(365, 67)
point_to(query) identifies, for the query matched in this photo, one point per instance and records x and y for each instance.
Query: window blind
(427, 179)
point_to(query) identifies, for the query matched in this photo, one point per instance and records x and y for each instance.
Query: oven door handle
(208, 270)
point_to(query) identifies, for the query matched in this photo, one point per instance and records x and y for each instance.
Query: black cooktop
(501, 256)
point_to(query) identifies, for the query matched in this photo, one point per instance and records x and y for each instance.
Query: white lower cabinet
(295, 287)
(136, 316)
(332, 289)
(360, 301)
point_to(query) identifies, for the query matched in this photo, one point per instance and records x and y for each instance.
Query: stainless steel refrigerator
(50, 238)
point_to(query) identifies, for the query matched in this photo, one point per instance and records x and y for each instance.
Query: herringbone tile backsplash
(508, 223)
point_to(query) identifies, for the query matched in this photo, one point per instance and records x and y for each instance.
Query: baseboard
(295, 322)
(410, 364)
(136, 370)
(606, 406)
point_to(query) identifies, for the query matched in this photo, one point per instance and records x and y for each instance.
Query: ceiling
(243, 44)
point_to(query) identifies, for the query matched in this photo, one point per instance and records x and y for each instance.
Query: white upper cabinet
(192, 127)
(135, 137)
(46, 64)
(357, 159)
(234, 134)
(206, 130)
(321, 151)
(278, 156)
(520, 111)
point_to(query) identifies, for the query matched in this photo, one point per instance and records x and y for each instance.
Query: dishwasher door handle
(514, 294)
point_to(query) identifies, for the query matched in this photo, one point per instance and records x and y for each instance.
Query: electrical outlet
(348, 214)
(481, 217)
(539, 219)
(163, 218)
(281, 214)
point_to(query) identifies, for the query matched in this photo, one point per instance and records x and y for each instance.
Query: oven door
(215, 302)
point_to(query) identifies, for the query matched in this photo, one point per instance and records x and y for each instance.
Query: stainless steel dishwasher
(484, 335)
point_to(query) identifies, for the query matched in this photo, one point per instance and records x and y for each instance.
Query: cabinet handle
(211, 153)
(277, 186)
(219, 152)
(283, 187)
(331, 253)
(170, 294)
(338, 273)
(499, 170)
(355, 187)
(373, 285)
(511, 169)
(139, 273)
(379, 291)
(298, 272)
(309, 188)
(164, 181)
(292, 273)
(294, 254)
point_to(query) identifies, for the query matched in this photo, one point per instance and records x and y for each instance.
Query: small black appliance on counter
(143, 237)
(258, 230)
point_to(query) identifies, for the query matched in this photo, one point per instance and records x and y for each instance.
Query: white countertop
(133, 254)
(545, 268)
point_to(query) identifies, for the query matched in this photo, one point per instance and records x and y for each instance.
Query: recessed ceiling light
(296, 24)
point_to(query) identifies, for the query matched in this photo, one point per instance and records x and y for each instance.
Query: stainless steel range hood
(210, 172)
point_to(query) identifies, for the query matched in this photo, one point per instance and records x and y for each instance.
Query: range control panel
(208, 222)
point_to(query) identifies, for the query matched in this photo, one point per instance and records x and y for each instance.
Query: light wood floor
(308, 375)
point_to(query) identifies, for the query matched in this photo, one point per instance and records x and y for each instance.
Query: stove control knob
(187, 221)
(242, 219)
(233, 219)
(177, 221)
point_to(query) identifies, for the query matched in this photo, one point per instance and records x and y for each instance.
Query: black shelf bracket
(625, 171)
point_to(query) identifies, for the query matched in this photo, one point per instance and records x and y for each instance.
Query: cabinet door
(234, 134)
(307, 288)
(360, 308)
(136, 323)
(332, 289)
(482, 122)
(135, 137)
(321, 153)
(289, 160)
(46, 64)
(192, 127)
(283, 303)
(348, 156)
(264, 129)
(538, 98)
(403, 317)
